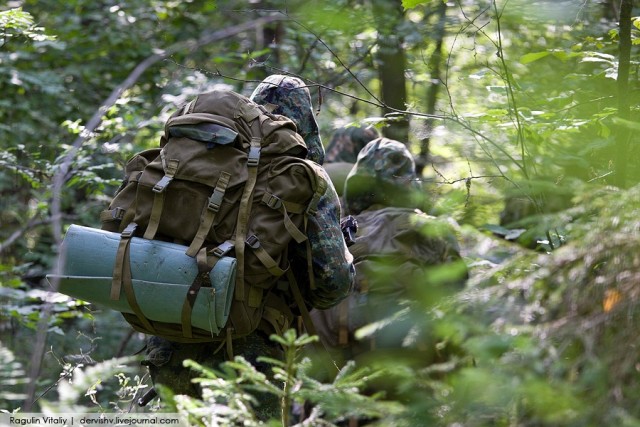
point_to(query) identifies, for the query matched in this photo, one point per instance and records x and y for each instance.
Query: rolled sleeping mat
(161, 276)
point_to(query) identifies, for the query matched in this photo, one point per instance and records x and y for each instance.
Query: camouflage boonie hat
(292, 99)
(384, 173)
(346, 143)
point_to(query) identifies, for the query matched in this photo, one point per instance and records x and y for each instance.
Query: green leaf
(534, 56)
(497, 89)
(497, 112)
(562, 55)
(410, 4)
(556, 53)
(596, 59)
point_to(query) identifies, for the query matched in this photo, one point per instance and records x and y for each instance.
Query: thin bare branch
(17, 234)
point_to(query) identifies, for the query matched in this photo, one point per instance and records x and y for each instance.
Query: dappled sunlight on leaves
(583, 299)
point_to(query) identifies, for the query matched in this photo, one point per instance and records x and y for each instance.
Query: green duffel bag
(162, 278)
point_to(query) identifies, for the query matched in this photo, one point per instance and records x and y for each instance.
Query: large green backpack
(392, 250)
(229, 178)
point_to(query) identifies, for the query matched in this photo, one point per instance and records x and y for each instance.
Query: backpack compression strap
(122, 276)
(244, 212)
(204, 266)
(274, 202)
(158, 198)
(209, 213)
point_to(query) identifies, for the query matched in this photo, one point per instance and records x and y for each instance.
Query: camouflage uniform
(346, 143)
(333, 269)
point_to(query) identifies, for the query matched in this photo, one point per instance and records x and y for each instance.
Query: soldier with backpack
(395, 247)
(322, 266)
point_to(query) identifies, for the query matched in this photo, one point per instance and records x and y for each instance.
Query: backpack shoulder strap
(243, 215)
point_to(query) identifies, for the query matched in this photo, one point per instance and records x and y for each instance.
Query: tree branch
(32, 223)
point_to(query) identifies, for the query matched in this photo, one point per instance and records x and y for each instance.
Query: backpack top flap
(238, 113)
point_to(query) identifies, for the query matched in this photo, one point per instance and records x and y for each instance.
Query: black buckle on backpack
(253, 241)
(117, 213)
(272, 201)
(162, 184)
(129, 230)
(223, 248)
(254, 156)
(215, 200)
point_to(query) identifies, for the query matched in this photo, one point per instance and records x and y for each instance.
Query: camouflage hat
(346, 143)
(384, 173)
(292, 99)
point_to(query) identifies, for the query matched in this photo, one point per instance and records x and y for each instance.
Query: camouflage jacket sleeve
(333, 270)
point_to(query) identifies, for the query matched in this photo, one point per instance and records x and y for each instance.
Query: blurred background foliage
(522, 115)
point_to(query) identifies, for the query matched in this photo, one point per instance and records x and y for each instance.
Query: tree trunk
(269, 37)
(624, 110)
(611, 9)
(435, 70)
(391, 66)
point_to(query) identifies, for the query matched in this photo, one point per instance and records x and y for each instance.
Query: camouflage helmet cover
(292, 99)
(346, 143)
(384, 173)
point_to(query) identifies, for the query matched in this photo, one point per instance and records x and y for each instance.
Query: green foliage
(229, 395)
(410, 4)
(12, 378)
(16, 24)
(562, 325)
(96, 388)
(26, 306)
(522, 154)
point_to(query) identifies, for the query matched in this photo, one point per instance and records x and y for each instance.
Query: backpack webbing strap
(229, 344)
(343, 323)
(122, 215)
(244, 212)
(249, 112)
(296, 208)
(209, 213)
(122, 276)
(158, 198)
(277, 313)
(264, 257)
(118, 267)
(312, 280)
(274, 202)
(272, 316)
(187, 307)
(297, 296)
(320, 190)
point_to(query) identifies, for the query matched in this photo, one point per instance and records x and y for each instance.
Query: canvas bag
(392, 247)
(229, 178)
